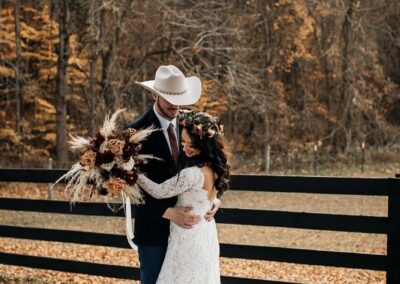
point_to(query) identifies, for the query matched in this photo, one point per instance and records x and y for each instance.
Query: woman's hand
(210, 214)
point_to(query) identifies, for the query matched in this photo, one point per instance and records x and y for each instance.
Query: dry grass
(268, 236)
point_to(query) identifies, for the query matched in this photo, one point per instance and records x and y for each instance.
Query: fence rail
(389, 226)
(314, 221)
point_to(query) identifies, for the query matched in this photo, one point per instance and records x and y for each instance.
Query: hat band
(170, 93)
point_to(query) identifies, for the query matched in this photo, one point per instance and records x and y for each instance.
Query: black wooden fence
(389, 226)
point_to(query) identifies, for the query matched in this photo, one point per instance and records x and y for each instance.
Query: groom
(170, 89)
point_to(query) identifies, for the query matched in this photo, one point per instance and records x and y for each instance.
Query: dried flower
(131, 131)
(211, 133)
(127, 166)
(114, 185)
(116, 132)
(131, 177)
(97, 140)
(116, 146)
(88, 159)
(200, 123)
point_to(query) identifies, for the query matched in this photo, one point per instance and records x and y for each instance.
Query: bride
(193, 255)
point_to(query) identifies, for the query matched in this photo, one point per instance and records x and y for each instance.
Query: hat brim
(192, 95)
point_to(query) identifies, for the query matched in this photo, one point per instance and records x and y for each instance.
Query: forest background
(301, 85)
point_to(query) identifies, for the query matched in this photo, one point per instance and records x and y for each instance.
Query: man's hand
(210, 214)
(182, 217)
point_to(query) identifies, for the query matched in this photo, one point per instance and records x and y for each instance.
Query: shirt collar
(163, 121)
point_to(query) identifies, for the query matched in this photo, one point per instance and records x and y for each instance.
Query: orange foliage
(211, 100)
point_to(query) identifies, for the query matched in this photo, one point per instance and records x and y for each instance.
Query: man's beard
(162, 111)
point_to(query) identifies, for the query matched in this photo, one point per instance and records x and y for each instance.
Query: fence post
(267, 158)
(393, 238)
(315, 148)
(362, 156)
(49, 189)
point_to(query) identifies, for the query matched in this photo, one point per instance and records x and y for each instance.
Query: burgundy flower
(128, 151)
(104, 158)
(97, 140)
(131, 177)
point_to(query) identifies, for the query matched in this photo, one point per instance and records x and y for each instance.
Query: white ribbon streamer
(128, 221)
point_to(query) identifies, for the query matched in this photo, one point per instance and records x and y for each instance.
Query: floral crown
(201, 123)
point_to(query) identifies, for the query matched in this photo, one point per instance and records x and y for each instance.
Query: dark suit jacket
(150, 227)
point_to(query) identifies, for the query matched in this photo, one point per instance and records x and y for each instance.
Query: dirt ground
(268, 236)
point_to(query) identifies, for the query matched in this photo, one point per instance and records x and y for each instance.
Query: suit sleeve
(155, 208)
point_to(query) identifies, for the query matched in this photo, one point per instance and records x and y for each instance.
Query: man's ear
(155, 97)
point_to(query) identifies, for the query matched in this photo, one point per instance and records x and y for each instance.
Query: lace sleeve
(186, 179)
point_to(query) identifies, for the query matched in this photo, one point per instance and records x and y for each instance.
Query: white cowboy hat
(172, 85)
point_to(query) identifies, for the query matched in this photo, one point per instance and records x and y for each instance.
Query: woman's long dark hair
(212, 155)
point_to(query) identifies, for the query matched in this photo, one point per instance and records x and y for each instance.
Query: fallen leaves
(268, 236)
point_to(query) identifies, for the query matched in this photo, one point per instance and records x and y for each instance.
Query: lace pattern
(187, 179)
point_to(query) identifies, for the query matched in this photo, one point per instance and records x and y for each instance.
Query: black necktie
(173, 142)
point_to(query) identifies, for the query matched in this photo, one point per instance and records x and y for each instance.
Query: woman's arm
(186, 179)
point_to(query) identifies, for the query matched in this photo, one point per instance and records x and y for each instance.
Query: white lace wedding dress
(193, 254)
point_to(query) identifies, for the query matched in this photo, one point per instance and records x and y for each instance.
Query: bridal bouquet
(108, 162)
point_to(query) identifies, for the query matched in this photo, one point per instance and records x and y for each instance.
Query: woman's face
(187, 145)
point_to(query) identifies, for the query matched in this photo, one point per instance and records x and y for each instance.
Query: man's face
(165, 108)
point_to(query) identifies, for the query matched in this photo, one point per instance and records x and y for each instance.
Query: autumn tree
(283, 73)
(26, 58)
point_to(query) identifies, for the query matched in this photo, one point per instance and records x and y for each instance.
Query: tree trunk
(265, 62)
(94, 20)
(18, 94)
(326, 69)
(144, 94)
(345, 94)
(341, 137)
(105, 78)
(92, 91)
(325, 63)
(144, 68)
(108, 56)
(61, 106)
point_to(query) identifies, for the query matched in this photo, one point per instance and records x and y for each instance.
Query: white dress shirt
(165, 124)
